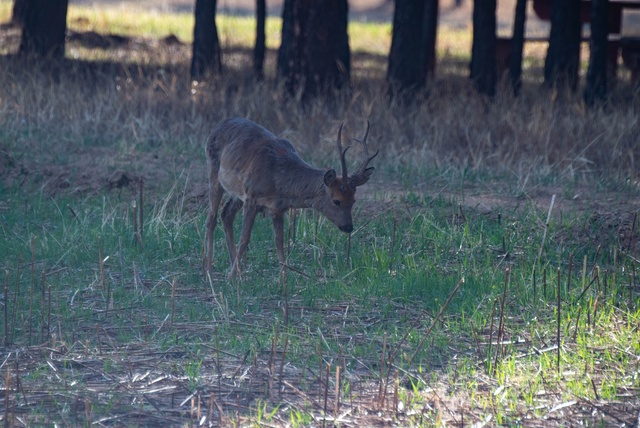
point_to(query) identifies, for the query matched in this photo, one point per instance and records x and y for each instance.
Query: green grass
(344, 310)
(130, 334)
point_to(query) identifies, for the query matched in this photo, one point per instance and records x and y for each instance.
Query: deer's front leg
(249, 212)
(278, 229)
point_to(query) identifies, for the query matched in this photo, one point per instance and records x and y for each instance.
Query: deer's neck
(303, 187)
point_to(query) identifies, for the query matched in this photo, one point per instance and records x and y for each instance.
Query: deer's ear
(330, 177)
(360, 179)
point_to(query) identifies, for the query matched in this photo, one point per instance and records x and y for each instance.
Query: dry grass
(74, 130)
(151, 107)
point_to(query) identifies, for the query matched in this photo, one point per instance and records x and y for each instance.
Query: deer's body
(263, 173)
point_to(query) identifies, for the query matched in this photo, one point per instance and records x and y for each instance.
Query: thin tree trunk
(483, 51)
(407, 67)
(314, 56)
(563, 55)
(206, 59)
(430, 31)
(286, 50)
(260, 48)
(517, 46)
(18, 14)
(44, 28)
(595, 92)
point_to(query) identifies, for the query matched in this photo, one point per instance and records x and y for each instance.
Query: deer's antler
(342, 152)
(363, 173)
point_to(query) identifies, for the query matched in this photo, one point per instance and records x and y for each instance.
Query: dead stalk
(595, 390)
(15, 299)
(6, 309)
(569, 274)
(493, 314)
(584, 270)
(395, 394)
(283, 277)
(101, 265)
(141, 210)
(42, 307)
(575, 330)
(321, 362)
(272, 357)
(534, 285)
(393, 243)
(435, 321)
(326, 394)
(633, 281)
(7, 391)
(173, 302)
(336, 409)
(284, 353)
(87, 411)
(135, 219)
(558, 309)
(499, 347)
(382, 363)
(218, 368)
(463, 218)
(546, 228)
(298, 271)
(584, 290)
(48, 312)
(33, 285)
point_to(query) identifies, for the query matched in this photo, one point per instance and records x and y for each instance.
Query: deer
(262, 173)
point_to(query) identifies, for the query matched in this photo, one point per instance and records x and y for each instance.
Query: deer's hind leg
(249, 211)
(215, 197)
(229, 211)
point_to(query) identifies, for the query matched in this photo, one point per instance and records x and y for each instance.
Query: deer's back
(252, 161)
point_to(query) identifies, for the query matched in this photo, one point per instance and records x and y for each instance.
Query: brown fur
(263, 173)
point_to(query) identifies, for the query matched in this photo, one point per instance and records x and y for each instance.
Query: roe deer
(263, 173)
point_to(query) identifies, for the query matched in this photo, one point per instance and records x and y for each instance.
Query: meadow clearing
(491, 279)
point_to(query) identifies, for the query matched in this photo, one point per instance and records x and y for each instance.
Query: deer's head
(340, 191)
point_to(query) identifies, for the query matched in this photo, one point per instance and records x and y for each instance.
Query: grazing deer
(263, 173)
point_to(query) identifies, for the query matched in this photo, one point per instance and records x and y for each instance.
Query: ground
(146, 378)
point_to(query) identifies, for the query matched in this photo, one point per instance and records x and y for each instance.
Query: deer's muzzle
(347, 228)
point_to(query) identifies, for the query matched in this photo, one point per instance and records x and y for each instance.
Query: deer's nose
(348, 228)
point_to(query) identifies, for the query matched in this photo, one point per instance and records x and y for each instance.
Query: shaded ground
(451, 14)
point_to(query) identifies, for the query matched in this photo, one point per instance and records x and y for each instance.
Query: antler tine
(342, 152)
(366, 150)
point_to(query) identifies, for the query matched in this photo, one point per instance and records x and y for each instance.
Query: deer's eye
(336, 202)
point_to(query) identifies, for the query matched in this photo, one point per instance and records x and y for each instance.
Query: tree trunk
(260, 48)
(595, 92)
(18, 14)
(412, 57)
(483, 51)
(44, 28)
(563, 55)
(206, 59)
(430, 31)
(285, 52)
(314, 56)
(517, 46)
(407, 66)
